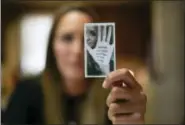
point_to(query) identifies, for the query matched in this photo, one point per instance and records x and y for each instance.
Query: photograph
(90, 62)
(99, 49)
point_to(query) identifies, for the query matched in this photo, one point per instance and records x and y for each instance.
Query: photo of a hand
(99, 45)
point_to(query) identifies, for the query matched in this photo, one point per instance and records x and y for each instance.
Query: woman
(62, 95)
(92, 36)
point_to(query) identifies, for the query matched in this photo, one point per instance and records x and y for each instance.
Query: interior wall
(168, 35)
(132, 27)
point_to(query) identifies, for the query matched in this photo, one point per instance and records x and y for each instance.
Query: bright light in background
(34, 39)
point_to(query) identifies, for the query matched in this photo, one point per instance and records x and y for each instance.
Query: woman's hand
(126, 101)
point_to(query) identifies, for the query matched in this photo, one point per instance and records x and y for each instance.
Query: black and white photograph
(99, 49)
(79, 62)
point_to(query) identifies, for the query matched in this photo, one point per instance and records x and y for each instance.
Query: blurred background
(149, 41)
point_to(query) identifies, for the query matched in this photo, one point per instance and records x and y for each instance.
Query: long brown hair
(51, 76)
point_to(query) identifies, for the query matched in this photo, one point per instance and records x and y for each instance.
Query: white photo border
(85, 53)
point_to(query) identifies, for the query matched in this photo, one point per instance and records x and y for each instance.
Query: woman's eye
(67, 38)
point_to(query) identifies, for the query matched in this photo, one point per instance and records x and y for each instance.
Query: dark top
(26, 105)
(2, 115)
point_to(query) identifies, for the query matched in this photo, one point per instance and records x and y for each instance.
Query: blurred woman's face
(69, 44)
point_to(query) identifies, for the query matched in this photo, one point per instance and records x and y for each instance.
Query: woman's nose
(78, 47)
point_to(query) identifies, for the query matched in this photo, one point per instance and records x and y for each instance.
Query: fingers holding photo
(126, 100)
(123, 75)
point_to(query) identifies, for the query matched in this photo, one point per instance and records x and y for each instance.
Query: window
(34, 37)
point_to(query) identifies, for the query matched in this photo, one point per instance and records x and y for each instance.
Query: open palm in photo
(99, 49)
